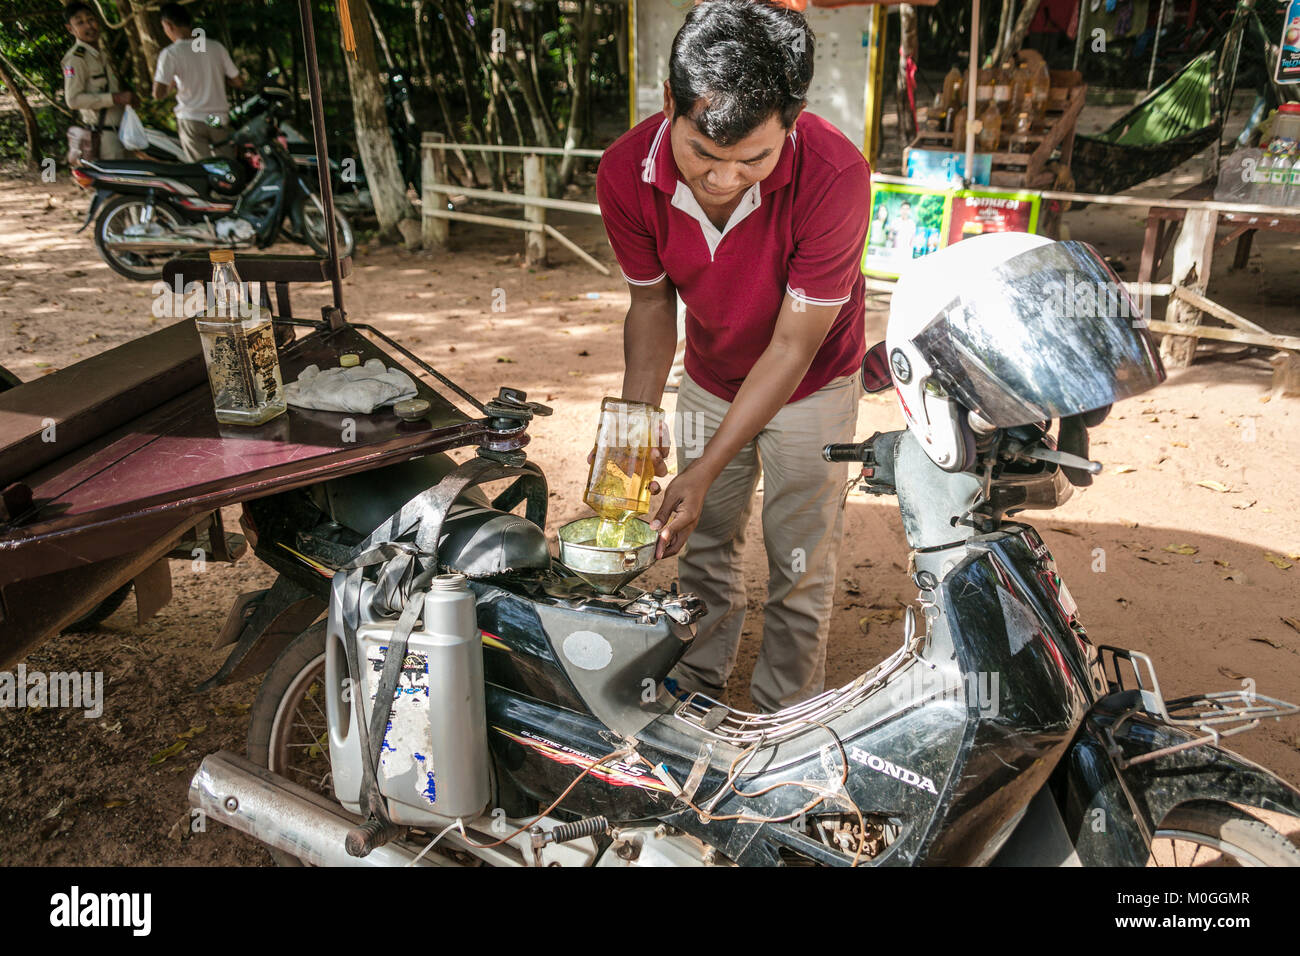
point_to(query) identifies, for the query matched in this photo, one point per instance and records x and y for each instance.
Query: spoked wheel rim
(1208, 834)
(1185, 848)
(113, 229)
(299, 747)
(313, 225)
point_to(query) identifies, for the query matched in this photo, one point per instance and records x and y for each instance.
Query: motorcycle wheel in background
(310, 212)
(118, 214)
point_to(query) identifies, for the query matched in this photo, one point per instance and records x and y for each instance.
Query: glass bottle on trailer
(239, 349)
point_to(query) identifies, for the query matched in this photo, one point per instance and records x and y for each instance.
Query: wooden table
(1187, 237)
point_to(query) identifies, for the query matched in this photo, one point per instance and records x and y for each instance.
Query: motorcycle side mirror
(875, 369)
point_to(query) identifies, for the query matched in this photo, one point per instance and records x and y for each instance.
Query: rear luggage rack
(1217, 715)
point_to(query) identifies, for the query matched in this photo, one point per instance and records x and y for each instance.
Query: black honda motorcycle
(997, 732)
(146, 212)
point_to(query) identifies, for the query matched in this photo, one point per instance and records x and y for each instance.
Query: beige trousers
(803, 522)
(201, 141)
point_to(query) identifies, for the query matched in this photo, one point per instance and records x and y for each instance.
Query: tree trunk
(576, 134)
(392, 67)
(1016, 39)
(524, 78)
(141, 78)
(374, 142)
(444, 108)
(906, 48)
(29, 117)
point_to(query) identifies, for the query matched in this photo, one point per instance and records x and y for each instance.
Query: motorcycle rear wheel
(289, 716)
(1218, 834)
(120, 212)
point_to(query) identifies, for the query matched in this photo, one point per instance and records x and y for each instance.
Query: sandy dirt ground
(1204, 580)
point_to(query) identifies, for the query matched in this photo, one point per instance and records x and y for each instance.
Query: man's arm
(800, 330)
(233, 78)
(162, 90)
(649, 341)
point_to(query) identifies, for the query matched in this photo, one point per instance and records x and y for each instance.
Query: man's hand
(680, 510)
(125, 98)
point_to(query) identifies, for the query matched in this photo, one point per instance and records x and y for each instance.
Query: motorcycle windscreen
(1049, 333)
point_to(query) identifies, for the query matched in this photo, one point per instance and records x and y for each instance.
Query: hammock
(1175, 122)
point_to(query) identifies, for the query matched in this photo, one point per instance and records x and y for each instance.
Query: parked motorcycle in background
(149, 211)
(351, 192)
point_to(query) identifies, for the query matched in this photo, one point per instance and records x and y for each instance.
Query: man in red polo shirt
(755, 213)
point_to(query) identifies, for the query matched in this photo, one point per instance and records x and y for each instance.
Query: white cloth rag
(360, 389)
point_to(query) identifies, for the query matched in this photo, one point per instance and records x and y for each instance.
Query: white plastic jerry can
(433, 765)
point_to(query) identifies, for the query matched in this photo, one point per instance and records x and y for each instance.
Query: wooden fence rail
(436, 216)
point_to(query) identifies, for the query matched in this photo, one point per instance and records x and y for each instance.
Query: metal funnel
(606, 569)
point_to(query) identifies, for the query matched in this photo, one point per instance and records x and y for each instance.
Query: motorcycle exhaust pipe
(237, 792)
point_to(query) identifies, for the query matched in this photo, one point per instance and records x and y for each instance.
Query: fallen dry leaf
(1128, 524)
(1180, 549)
(1143, 557)
(1070, 531)
(1291, 623)
(1124, 469)
(1276, 561)
(166, 752)
(1221, 563)
(1243, 505)
(1265, 640)
(1231, 674)
(1213, 485)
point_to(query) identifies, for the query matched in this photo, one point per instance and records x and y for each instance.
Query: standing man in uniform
(755, 212)
(197, 69)
(90, 85)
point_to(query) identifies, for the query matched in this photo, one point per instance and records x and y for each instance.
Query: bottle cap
(221, 255)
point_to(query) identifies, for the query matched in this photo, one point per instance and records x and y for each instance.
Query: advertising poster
(906, 222)
(1288, 58)
(977, 211)
(936, 167)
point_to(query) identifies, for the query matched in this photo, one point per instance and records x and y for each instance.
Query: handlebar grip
(853, 451)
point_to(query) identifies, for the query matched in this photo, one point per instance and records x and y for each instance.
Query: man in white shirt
(198, 69)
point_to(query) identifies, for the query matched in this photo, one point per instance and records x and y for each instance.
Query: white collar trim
(685, 200)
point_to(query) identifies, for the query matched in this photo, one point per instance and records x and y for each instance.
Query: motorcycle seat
(149, 167)
(476, 540)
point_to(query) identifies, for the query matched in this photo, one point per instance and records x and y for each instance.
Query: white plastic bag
(131, 131)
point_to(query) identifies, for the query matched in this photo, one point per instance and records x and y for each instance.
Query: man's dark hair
(175, 13)
(745, 60)
(75, 7)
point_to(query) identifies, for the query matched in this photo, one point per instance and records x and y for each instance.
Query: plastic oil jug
(239, 349)
(433, 764)
(618, 484)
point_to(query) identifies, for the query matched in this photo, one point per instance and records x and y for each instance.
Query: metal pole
(1155, 45)
(322, 158)
(1079, 34)
(971, 118)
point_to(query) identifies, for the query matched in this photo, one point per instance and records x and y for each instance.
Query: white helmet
(1014, 328)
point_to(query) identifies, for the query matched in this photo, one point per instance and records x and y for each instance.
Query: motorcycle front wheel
(1218, 834)
(118, 214)
(310, 211)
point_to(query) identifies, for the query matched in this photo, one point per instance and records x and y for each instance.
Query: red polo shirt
(799, 231)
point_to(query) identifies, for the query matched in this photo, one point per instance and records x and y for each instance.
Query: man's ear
(802, 106)
(668, 101)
